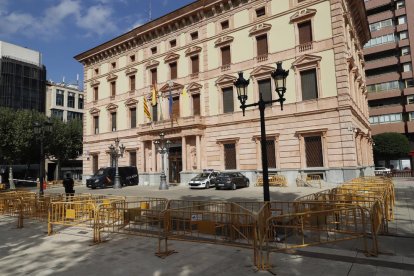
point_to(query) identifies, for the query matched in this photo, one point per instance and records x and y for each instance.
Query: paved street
(29, 251)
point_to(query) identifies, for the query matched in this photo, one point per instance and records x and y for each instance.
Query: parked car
(231, 180)
(204, 179)
(105, 177)
(382, 171)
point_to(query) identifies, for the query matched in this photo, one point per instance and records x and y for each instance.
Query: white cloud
(97, 20)
(16, 22)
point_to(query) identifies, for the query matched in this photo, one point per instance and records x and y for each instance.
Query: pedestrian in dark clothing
(68, 183)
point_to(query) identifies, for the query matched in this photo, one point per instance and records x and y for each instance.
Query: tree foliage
(66, 142)
(391, 144)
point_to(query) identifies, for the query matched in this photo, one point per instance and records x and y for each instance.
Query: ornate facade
(192, 57)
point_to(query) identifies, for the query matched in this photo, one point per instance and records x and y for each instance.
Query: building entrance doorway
(174, 165)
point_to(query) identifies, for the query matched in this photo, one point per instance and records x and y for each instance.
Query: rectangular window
(80, 102)
(96, 71)
(230, 156)
(173, 43)
(194, 64)
(173, 70)
(154, 76)
(71, 100)
(228, 100)
(133, 114)
(225, 25)
(194, 35)
(176, 107)
(113, 65)
(271, 153)
(403, 35)
(155, 113)
(59, 97)
(113, 121)
(405, 51)
(313, 147)
(113, 88)
(305, 32)
(407, 67)
(96, 124)
(265, 89)
(262, 49)
(132, 83)
(260, 12)
(94, 163)
(95, 93)
(153, 50)
(402, 20)
(225, 56)
(57, 114)
(132, 58)
(196, 104)
(133, 158)
(309, 84)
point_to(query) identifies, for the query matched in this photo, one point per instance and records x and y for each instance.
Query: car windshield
(203, 175)
(224, 175)
(99, 172)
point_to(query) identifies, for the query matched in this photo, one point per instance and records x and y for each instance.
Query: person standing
(68, 183)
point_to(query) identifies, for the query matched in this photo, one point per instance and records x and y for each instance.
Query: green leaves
(391, 144)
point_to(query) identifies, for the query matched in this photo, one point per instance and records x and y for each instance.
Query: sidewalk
(29, 251)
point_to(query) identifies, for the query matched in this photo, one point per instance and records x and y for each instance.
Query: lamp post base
(163, 183)
(117, 183)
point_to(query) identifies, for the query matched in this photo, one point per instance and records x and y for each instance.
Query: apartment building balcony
(383, 78)
(410, 126)
(398, 127)
(381, 48)
(383, 31)
(383, 94)
(377, 63)
(371, 4)
(409, 91)
(403, 43)
(407, 75)
(405, 59)
(402, 27)
(385, 109)
(380, 16)
(191, 122)
(400, 11)
(409, 108)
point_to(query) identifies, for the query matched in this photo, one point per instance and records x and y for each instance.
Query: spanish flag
(154, 93)
(146, 109)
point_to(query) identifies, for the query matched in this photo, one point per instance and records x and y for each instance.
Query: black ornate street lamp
(279, 76)
(116, 152)
(162, 148)
(40, 130)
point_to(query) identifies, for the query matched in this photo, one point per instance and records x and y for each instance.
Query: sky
(61, 29)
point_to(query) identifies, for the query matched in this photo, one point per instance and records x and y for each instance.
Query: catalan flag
(146, 109)
(154, 93)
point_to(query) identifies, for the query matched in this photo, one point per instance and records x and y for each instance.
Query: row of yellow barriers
(357, 209)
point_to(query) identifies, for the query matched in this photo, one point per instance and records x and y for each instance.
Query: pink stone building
(193, 54)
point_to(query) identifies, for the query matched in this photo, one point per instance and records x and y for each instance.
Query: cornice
(223, 41)
(260, 28)
(303, 14)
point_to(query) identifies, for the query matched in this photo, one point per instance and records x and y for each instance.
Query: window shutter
(113, 120)
(225, 56)
(154, 76)
(230, 156)
(173, 69)
(133, 117)
(309, 84)
(271, 157)
(266, 90)
(194, 64)
(261, 45)
(176, 107)
(313, 147)
(228, 102)
(305, 32)
(95, 93)
(132, 83)
(196, 104)
(96, 124)
(113, 88)
(133, 158)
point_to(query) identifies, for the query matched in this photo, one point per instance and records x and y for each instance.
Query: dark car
(231, 180)
(105, 177)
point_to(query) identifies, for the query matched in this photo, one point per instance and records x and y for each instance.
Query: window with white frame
(385, 86)
(400, 4)
(71, 100)
(410, 99)
(405, 51)
(402, 20)
(113, 121)
(411, 116)
(380, 25)
(407, 67)
(386, 119)
(409, 83)
(96, 124)
(403, 35)
(59, 97)
(380, 40)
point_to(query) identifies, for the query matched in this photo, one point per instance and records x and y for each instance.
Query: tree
(391, 145)
(65, 143)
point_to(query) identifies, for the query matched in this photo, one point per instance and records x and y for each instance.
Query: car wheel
(234, 187)
(93, 188)
(247, 183)
(217, 188)
(207, 185)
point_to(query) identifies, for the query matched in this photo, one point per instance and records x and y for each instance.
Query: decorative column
(142, 157)
(198, 151)
(184, 153)
(154, 158)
